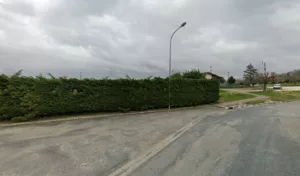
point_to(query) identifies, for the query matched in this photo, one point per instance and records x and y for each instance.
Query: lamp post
(170, 62)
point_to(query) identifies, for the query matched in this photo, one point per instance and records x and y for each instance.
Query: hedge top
(27, 98)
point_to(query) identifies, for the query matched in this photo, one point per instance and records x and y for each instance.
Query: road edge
(91, 117)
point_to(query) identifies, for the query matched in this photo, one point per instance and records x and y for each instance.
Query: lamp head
(183, 24)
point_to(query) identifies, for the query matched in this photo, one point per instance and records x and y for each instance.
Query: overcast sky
(117, 37)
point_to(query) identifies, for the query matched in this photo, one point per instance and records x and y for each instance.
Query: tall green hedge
(27, 98)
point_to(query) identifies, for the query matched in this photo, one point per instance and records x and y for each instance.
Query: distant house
(209, 75)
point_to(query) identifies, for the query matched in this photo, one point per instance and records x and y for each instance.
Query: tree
(250, 75)
(273, 78)
(296, 76)
(193, 74)
(281, 78)
(239, 82)
(231, 80)
(222, 80)
(263, 78)
(176, 75)
(289, 77)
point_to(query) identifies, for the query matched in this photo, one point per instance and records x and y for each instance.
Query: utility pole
(228, 75)
(210, 69)
(80, 75)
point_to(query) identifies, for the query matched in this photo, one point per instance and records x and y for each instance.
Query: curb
(238, 106)
(230, 104)
(287, 101)
(90, 117)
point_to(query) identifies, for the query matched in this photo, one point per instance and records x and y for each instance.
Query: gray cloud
(113, 38)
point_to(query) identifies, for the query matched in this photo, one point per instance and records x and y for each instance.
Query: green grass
(281, 96)
(231, 96)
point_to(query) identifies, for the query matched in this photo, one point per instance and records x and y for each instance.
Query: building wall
(208, 76)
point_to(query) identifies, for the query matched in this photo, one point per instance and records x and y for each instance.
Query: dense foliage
(250, 75)
(27, 98)
(289, 77)
(222, 80)
(191, 74)
(231, 80)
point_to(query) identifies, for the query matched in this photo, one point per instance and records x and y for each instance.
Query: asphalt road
(256, 141)
(88, 147)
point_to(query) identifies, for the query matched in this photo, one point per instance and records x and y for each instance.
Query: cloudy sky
(117, 37)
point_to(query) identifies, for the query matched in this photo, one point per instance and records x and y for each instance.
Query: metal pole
(170, 63)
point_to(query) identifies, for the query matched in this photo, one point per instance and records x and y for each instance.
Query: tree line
(252, 77)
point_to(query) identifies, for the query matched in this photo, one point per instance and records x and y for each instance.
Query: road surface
(253, 141)
(256, 141)
(288, 88)
(291, 88)
(87, 147)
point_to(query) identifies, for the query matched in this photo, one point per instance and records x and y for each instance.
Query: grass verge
(231, 96)
(281, 96)
(255, 102)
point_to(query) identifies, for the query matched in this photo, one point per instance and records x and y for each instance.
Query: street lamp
(170, 62)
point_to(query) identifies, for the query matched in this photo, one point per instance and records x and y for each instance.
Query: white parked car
(277, 86)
